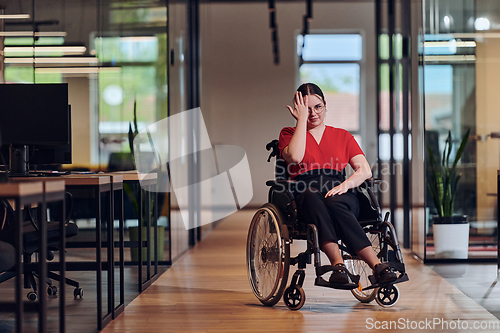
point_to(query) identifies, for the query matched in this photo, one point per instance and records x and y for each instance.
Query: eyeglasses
(318, 108)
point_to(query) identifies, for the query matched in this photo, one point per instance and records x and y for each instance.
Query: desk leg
(19, 268)
(62, 268)
(148, 235)
(98, 259)
(498, 225)
(111, 253)
(122, 250)
(42, 266)
(121, 243)
(139, 249)
(155, 224)
(109, 263)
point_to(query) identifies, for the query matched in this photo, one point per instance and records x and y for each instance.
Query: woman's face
(316, 111)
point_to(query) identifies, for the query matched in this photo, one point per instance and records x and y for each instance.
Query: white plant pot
(451, 240)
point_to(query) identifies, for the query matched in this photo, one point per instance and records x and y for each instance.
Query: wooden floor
(207, 290)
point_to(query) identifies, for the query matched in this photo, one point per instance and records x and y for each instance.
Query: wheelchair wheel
(358, 267)
(294, 297)
(268, 255)
(387, 296)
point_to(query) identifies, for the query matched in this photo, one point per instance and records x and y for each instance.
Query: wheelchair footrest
(402, 278)
(328, 268)
(345, 286)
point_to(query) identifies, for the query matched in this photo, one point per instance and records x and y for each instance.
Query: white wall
(244, 95)
(82, 120)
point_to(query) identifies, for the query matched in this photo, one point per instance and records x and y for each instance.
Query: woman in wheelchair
(316, 155)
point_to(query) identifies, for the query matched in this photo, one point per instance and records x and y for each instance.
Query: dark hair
(311, 89)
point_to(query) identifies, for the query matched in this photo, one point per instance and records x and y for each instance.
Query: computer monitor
(43, 155)
(34, 118)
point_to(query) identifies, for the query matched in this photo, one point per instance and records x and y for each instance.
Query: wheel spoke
(267, 256)
(358, 267)
(265, 245)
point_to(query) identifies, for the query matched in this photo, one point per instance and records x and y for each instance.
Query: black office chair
(7, 256)
(31, 245)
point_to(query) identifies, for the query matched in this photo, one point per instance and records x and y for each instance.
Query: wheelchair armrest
(281, 182)
(370, 182)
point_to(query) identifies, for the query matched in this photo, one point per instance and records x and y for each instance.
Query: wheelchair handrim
(262, 292)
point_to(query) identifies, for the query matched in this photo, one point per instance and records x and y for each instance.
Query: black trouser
(334, 216)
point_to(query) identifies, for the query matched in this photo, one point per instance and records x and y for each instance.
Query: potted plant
(134, 231)
(451, 232)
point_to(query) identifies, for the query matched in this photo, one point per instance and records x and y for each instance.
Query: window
(333, 62)
(141, 70)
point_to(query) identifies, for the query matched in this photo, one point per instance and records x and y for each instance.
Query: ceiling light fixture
(53, 60)
(139, 39)
(451, 58)
(67, 50)
(482, 23)
(31, 34)
(449, 43)
(14, 16)
(79, 70)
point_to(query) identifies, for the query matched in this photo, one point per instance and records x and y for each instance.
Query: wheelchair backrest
(368, 203)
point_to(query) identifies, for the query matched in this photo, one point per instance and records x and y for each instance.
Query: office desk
(140, 184)
(26, 192)
(93, 186)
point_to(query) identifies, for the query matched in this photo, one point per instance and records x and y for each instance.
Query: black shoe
(384, 273)
(339, 275)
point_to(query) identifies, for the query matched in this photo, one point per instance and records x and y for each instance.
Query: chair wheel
(387, 296)
(32, 296)
(52, 290)
(78, 293)
(294, 297)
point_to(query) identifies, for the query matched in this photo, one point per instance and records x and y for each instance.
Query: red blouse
(335, 150)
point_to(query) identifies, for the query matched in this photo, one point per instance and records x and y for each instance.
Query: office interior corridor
(207, 290)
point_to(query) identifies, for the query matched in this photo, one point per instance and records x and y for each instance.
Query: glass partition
(461, 62)
(114, 56)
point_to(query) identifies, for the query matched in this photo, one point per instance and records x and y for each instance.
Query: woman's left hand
(337, 190)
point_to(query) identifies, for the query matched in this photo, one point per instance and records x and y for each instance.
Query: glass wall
(394, 91)
(114, 57)
(461, 66)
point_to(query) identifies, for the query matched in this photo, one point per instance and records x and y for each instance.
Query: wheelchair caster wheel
(387, 296)
(52, 290)
(294, 297)
(78, 293)
(32, 296)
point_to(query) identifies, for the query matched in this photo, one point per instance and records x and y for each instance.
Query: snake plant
(443, 181)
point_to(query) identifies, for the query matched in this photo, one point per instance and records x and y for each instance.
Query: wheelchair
(278, 223)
